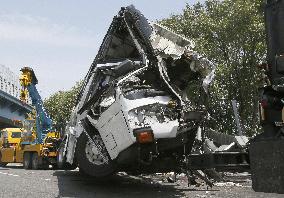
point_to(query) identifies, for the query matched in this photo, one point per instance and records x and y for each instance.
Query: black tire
(55, 167)
(44, 165)
(61, 160)
(89, 168)
(35, 161)
(27, 161)
(2, 164)
(82, 173)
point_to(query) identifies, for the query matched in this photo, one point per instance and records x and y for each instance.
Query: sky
(60, 39)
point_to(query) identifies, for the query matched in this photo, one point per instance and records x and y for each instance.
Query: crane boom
(28, 82)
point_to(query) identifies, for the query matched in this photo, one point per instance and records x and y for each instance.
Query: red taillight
(145, 137)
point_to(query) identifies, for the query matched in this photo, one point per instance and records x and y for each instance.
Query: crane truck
(37, 145)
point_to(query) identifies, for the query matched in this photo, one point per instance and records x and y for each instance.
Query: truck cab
(10, 137)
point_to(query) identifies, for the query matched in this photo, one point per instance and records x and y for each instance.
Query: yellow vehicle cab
(11, 136)
(10, 139)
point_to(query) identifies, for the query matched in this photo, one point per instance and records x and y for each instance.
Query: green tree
(231, 33)
(60, 105)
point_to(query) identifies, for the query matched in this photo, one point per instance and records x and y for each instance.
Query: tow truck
(36, 145)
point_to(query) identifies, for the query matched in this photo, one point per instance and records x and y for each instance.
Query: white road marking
(9, 174)
(15, 164)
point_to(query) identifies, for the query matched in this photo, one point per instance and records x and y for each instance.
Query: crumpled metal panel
(167, 43)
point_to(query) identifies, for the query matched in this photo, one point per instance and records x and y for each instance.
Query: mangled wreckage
(133, 113)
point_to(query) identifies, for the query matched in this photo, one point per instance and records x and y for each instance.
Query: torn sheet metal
(168, 44)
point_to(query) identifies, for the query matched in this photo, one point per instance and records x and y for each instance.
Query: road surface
(17, 182)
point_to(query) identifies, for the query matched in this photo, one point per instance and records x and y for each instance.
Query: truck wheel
(35, 161)
(61, 159)
(90, 161)
(27, 160)
(2, 164)
(43, 164)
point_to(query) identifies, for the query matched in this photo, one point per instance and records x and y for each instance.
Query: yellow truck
(14, 149)
(9, 141)
(36, 145)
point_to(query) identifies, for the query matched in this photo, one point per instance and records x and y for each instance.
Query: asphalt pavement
(17, 182)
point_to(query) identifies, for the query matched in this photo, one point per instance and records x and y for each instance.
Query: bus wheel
(90, 160)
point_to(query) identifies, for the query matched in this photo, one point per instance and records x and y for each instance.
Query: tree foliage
(60, 105)
(231, 33)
